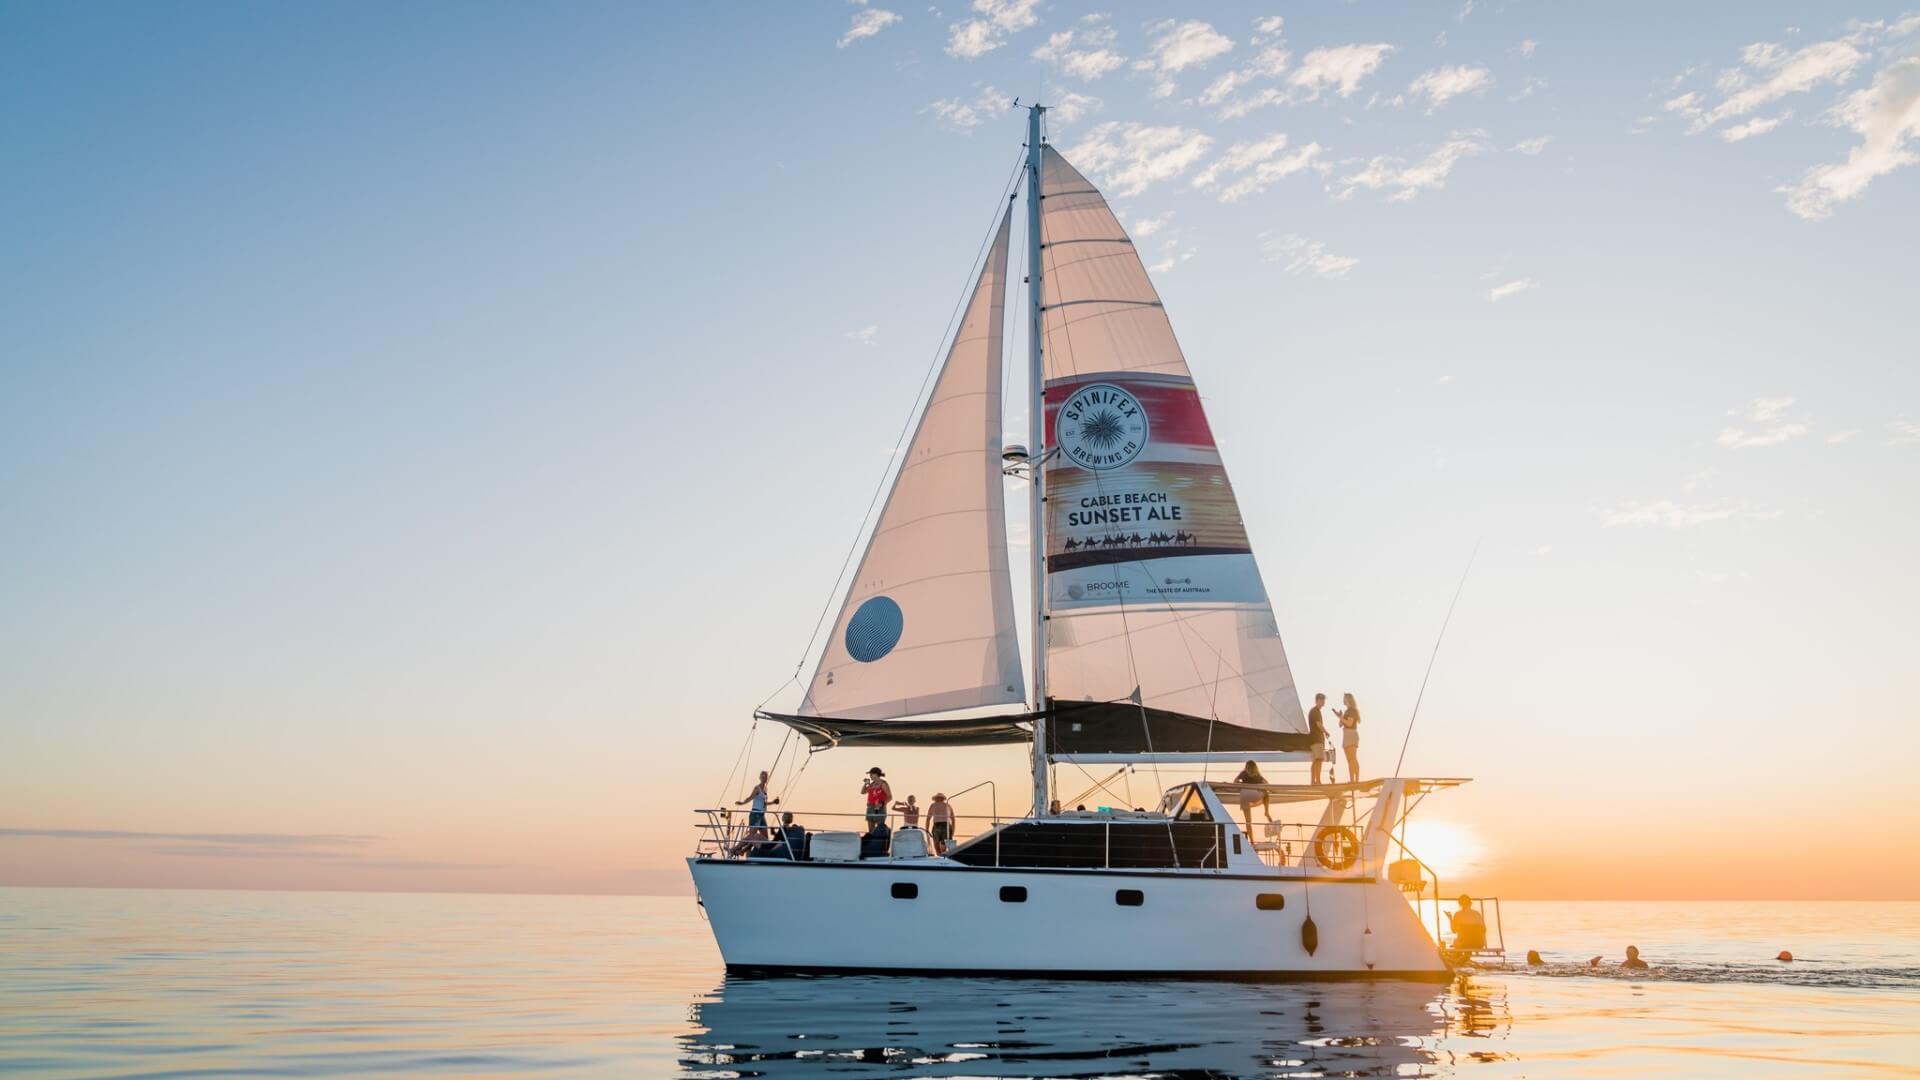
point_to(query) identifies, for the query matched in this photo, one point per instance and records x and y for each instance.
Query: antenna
(1436, 655)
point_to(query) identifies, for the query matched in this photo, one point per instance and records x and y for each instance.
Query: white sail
(1153, 596)
(927, 624)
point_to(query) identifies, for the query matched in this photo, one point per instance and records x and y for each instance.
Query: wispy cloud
(1311, 258)
(994, 21)
(1886, 116)
(1180, 45)
(1527, 48)
(1768, 411)
(1253, 166)
(1443, 84)
(963, 116)
(1759, 125)
(1511, 289)
(866, 335)
(1407, 180)
(1768, 72)
(1843, 436)
(1084, 52)
(1904, 432)
(866, 23)
(1069, 106)
(1130, 157)
(1739, 439)
(1531, 147)
(1340, 68)
(1668, 513)
(1145, 227)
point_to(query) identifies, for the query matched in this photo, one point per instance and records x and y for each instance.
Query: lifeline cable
(1436, 655)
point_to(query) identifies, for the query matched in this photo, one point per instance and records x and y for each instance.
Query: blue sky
(442, 423)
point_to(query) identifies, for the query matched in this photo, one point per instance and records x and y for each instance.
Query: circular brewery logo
(1102, 427)
(874, 629)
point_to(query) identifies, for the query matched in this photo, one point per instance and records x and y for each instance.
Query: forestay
(1159, 629)
(927, 624)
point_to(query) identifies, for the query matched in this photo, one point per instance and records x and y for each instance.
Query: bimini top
(1321, 792)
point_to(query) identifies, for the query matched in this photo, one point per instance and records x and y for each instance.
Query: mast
(1037, 441)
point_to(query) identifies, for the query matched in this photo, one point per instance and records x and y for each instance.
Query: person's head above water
(1633, 952)
(1533, 958)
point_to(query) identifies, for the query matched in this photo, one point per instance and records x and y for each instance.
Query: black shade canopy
(826, 731)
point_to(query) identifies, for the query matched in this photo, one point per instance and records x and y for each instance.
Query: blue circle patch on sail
(874, 629)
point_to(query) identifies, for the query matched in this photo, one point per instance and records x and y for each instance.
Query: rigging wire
(1404, 739)
(939, 353)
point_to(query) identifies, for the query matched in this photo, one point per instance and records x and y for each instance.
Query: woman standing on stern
(1350, 735)
(879, 796)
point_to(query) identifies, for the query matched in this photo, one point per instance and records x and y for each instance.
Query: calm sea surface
(182, 984)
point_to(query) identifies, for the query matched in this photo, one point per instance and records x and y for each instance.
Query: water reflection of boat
(790, 1026)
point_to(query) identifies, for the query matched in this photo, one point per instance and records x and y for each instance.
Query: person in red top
(879, 796)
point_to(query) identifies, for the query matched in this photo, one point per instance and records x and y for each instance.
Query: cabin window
(1013, 894)
(1129, 897)
(1236, 843)
(905, 890)
(1270, 901)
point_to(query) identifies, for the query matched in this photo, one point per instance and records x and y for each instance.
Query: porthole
(905, 890)
(1129, 897)
(1270, 901)
(1013, 894)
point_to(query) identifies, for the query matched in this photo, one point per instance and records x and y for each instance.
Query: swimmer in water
(1633, 961)
(1533, 958)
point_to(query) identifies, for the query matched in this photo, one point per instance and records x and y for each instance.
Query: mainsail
(1160, 636)
(927, 625)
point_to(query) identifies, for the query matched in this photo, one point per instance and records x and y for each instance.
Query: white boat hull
(843, 917)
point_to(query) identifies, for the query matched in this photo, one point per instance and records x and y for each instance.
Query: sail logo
(874, 629)
(1102, 427)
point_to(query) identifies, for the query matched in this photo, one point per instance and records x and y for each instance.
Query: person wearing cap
(879, 796)
(940, 822)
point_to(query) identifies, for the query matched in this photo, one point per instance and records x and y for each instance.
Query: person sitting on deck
(876, 841)
(1469, 927)
(793, 838)
(1248, 796)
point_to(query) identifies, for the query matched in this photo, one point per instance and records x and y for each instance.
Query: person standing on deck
(757, 813)
(909, 813)
(879, 796)
(1317, 727)
(1350, 735)
(940, 822)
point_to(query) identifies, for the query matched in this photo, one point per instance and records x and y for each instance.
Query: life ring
(1335, 847)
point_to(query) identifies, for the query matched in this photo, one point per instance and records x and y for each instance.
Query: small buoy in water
(1785, 956)
(1533, 959)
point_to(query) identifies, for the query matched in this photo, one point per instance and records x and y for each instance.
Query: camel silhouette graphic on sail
(1156, 539)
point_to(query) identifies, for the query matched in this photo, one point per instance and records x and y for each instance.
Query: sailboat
(1153, 643)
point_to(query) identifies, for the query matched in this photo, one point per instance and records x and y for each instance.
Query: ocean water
(112, 983)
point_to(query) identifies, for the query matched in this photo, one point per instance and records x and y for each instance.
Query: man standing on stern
(1317, 727)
